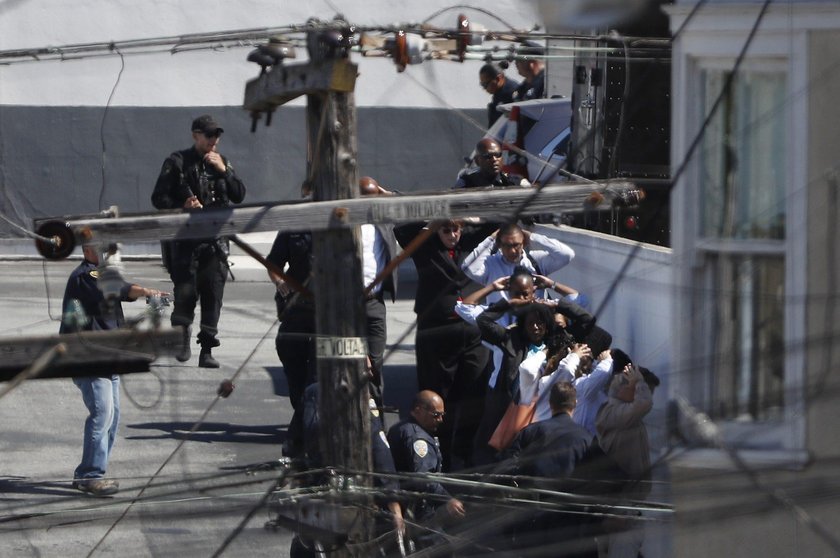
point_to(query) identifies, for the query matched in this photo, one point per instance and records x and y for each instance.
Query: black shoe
(209, 342)
(206, 360)
(185, 353)
(97, 487)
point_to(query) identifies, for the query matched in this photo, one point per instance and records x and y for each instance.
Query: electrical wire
(181, 443)
(47, 293)
(733, 71)
(134, 401)
(238, 38)
(26, 232)
(102, 123)
(241, 525)
(468, 7)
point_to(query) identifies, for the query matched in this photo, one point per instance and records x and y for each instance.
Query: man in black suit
(450, 357)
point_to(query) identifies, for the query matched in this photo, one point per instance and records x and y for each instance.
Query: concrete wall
(62, 153)
(823, 309)
(634, 307)
(62, 160)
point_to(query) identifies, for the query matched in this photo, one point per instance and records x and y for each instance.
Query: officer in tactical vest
(194, 179)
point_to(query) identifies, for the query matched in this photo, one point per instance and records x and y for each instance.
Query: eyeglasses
(436, 414)
(511, 245)
(491, 155)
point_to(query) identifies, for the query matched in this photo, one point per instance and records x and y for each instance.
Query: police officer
(295, 342)
(416, 450)
(197, 178)
(554, 449)
(488, 157)
(532, 68)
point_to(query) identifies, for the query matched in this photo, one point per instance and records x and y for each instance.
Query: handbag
(516, 418)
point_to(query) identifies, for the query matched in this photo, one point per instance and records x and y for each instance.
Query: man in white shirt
(378, 248)
(535, 252)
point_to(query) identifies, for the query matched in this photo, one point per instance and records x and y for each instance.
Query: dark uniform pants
(198, 272)
(295, 346)
(377, 334)
(451, 361)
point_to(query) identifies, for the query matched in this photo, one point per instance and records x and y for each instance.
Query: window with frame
(741, 235)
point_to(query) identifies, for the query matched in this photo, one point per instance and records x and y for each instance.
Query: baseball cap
(206, 124)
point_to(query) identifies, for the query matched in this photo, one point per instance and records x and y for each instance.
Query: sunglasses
(212, 135)
(436, 414)
(491, 155)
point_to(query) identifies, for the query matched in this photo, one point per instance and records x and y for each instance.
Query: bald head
(426, 397)
(428, 410)
(488, 156)
(487, 145)
(368, 186)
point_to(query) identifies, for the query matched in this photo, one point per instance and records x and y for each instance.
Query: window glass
(747, 321)
(742, 160)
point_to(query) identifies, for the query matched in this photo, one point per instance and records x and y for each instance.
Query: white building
(754, 224)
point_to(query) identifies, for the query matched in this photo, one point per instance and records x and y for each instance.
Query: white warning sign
(409, 210)
(340, 347)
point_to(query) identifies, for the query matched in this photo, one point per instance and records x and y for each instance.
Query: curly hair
(545, 314)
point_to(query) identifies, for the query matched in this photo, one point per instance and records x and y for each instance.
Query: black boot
(206, 360)
(185, 353)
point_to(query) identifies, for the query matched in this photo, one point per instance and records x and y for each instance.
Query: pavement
(191, 466)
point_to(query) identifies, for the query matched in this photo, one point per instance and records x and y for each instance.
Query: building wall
(62, 160)
(775, 503)
(634, 307)
(62, 152)
(823, 307)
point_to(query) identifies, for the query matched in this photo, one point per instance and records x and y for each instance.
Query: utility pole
(337, 275)
(328, 80)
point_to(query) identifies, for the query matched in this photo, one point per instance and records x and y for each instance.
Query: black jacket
(534, 90)
(184, 174)
(506, 94)
(550, 448)
(510, 340)
(475, 178)
(440, 280)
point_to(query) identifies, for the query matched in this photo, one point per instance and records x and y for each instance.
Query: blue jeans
(102, 399)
